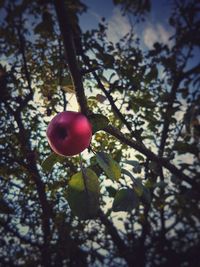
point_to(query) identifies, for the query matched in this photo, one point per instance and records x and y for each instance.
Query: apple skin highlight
(69, 133)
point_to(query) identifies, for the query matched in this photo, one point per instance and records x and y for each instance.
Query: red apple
(69, 133)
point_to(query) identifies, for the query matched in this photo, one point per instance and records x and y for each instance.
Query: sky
(155, 28)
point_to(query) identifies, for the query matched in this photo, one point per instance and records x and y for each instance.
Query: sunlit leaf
(105, 82)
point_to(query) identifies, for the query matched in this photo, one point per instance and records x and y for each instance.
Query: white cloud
(156, 33)
(118, 26)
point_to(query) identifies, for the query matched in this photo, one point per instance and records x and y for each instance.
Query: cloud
(118, 26)
(156, 33)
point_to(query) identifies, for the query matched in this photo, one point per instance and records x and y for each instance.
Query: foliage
(144, 155)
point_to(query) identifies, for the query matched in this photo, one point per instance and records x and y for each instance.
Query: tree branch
(67, 34)
(111, 100)
(150, 155)
(40, 186)
(194, 70)
(167, 119)
(122, 247)
(28, 97)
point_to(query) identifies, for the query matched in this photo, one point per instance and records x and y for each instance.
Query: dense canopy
(131, 198)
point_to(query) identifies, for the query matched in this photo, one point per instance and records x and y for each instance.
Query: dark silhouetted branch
(67, 34)
(29, 96)
(123, 249)
(150, 155)
(194, 70)
(110, 98)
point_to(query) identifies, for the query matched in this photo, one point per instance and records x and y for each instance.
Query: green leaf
(183, 148)
(138, 187)
(111, 191)
(144, 101)
(141, 190)
(139, 157)
(50, 161)
(83, 194)
(128, 174)
(98, 121)
(125, 200)
(67, 85)
(105, 82)
(109, 166)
